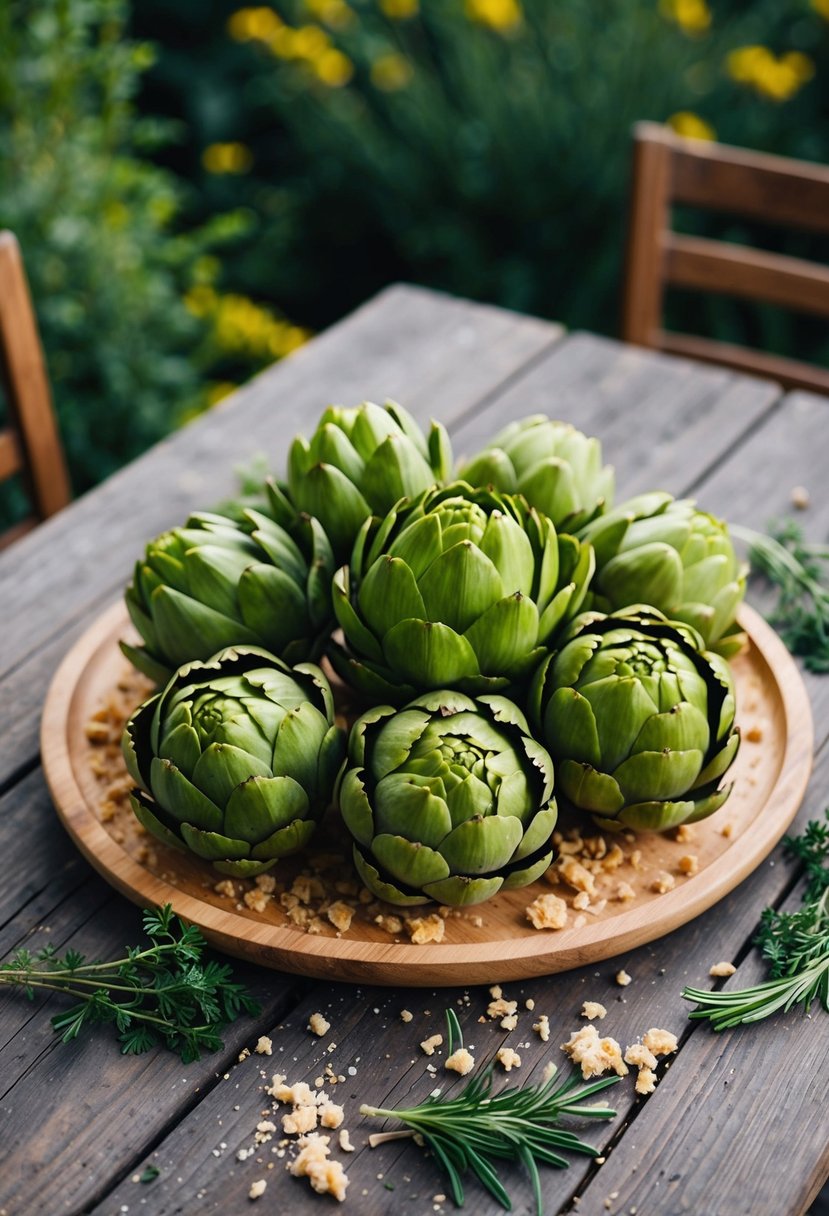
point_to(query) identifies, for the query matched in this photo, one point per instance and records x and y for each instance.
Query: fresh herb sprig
(796, 945)
(800, 571)
(157, 994)
(478, 1128)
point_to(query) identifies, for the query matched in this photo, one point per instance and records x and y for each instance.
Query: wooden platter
(493, 941)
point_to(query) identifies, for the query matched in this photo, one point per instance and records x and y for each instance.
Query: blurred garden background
(200, 186)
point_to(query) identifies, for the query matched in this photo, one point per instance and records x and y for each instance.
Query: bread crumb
(689, 864)
(266, 883)
(496, 992)
(660, 1042)
(423, 929)
(529, 1004)
(722, 970)
(326, 1177)
(300, 1120)
(685, 833)
(460, 1061)
(500, 1008)
(330, 1114)
(428, 1045)
(800, 498)
(257, 1188)
(406, 1015)
(623, 979)
(575, 874)
(225, 887)
(624, 892)
(662, 882)
(509, 1022)
(593, 1010)
(257, 900)
(542, 1028)
(345, 1141)
(640, 1056)
(581, 902)
(645, 1081)
(727, 830)
(595, 1055)
(547, 912)
(318, 1025)
(243, 1055)
(754, 734)
(264, 1046)
(340, 915)
(509, 1058)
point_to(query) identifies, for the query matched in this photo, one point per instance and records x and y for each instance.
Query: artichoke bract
(449, 799)
(359, 462)
(658, 550)
(459, 588)
(236, 759)
(639, 720)
(556, 467)
(222, 581)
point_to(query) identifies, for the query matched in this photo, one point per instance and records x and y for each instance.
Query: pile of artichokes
(517, 643)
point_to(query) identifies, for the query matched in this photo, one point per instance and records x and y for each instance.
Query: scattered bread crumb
(509, 1058)
(623, 979)
(257, 1189)
(547, 912)
(593, 1010)
(727, 830)
(662, 882)
(423, 929)
(640, 1056)
(264, 1046)
(645, 1081)
(754, 734)
(581, 902)
(660, 1042)
(689, 864)
(300, 1120)
(685, 833)
(225, 887)
(529, 1004)
(575, 874)
(428, 1045)
(345, 1141)
(330, 1114)
(501, 1008)
(406, 1015)
(722, 970)
(460, 1061)
(542, 1028)
(340, 915)
(318, 1025)
(256, 899)
(624, 892)
(595, 1055)
(496, 992)
(509, 1022)
(326, 1177)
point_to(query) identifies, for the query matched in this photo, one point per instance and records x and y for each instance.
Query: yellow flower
(692, 16)
(777, 79)
(247, 24)
(334, 13)
(200, 300)
(310, 41)
(227, 158)
(399, 10)
(691, 126)
(116, 214)
(821, 7)
(333, 68)
(391, 72)
(500, 15)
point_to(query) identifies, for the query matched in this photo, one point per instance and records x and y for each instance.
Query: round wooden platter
(492, 941)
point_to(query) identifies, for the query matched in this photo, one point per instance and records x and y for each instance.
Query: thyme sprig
(800, 571)
(795, 944)
(476, 1129)
(157, 994)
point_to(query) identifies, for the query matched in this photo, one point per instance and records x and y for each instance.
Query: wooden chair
(30, 445)
(668, 169)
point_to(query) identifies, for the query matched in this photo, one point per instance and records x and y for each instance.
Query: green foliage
(95, 223)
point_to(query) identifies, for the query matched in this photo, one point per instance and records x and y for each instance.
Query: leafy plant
(796, 945)
(477, 1129)
(160, 994)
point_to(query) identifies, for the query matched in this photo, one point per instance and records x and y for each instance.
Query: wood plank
(438, 355)
(751, 274)
(791, 373)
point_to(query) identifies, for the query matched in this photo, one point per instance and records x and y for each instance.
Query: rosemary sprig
(158, 994)
(477, 1128)
(796, 945)
(799, 571)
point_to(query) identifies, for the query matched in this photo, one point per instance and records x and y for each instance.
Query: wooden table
(739, 1122)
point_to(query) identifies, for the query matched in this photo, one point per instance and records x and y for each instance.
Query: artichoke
(449, 799)
(222, 581)
(459, 588)
(557, 469)
(658, 550)
(360, 462)
(236, 759)
(638, 719)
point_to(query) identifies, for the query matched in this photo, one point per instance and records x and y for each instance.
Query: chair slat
(791, 373)
(753, 274)
(11, 459)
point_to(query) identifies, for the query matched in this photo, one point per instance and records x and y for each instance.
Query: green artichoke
(222, 581)
(459, 588)
(360, 462)
(557, 469)
(658, 550)
(638, 719)
(447, 799)
(236, 759)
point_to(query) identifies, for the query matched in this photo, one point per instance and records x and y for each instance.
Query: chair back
(668, 169)
(30, 444)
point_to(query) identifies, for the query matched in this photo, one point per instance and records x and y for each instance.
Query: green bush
(127, 358)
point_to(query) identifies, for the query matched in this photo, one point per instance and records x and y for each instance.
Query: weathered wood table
(739, 1122)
